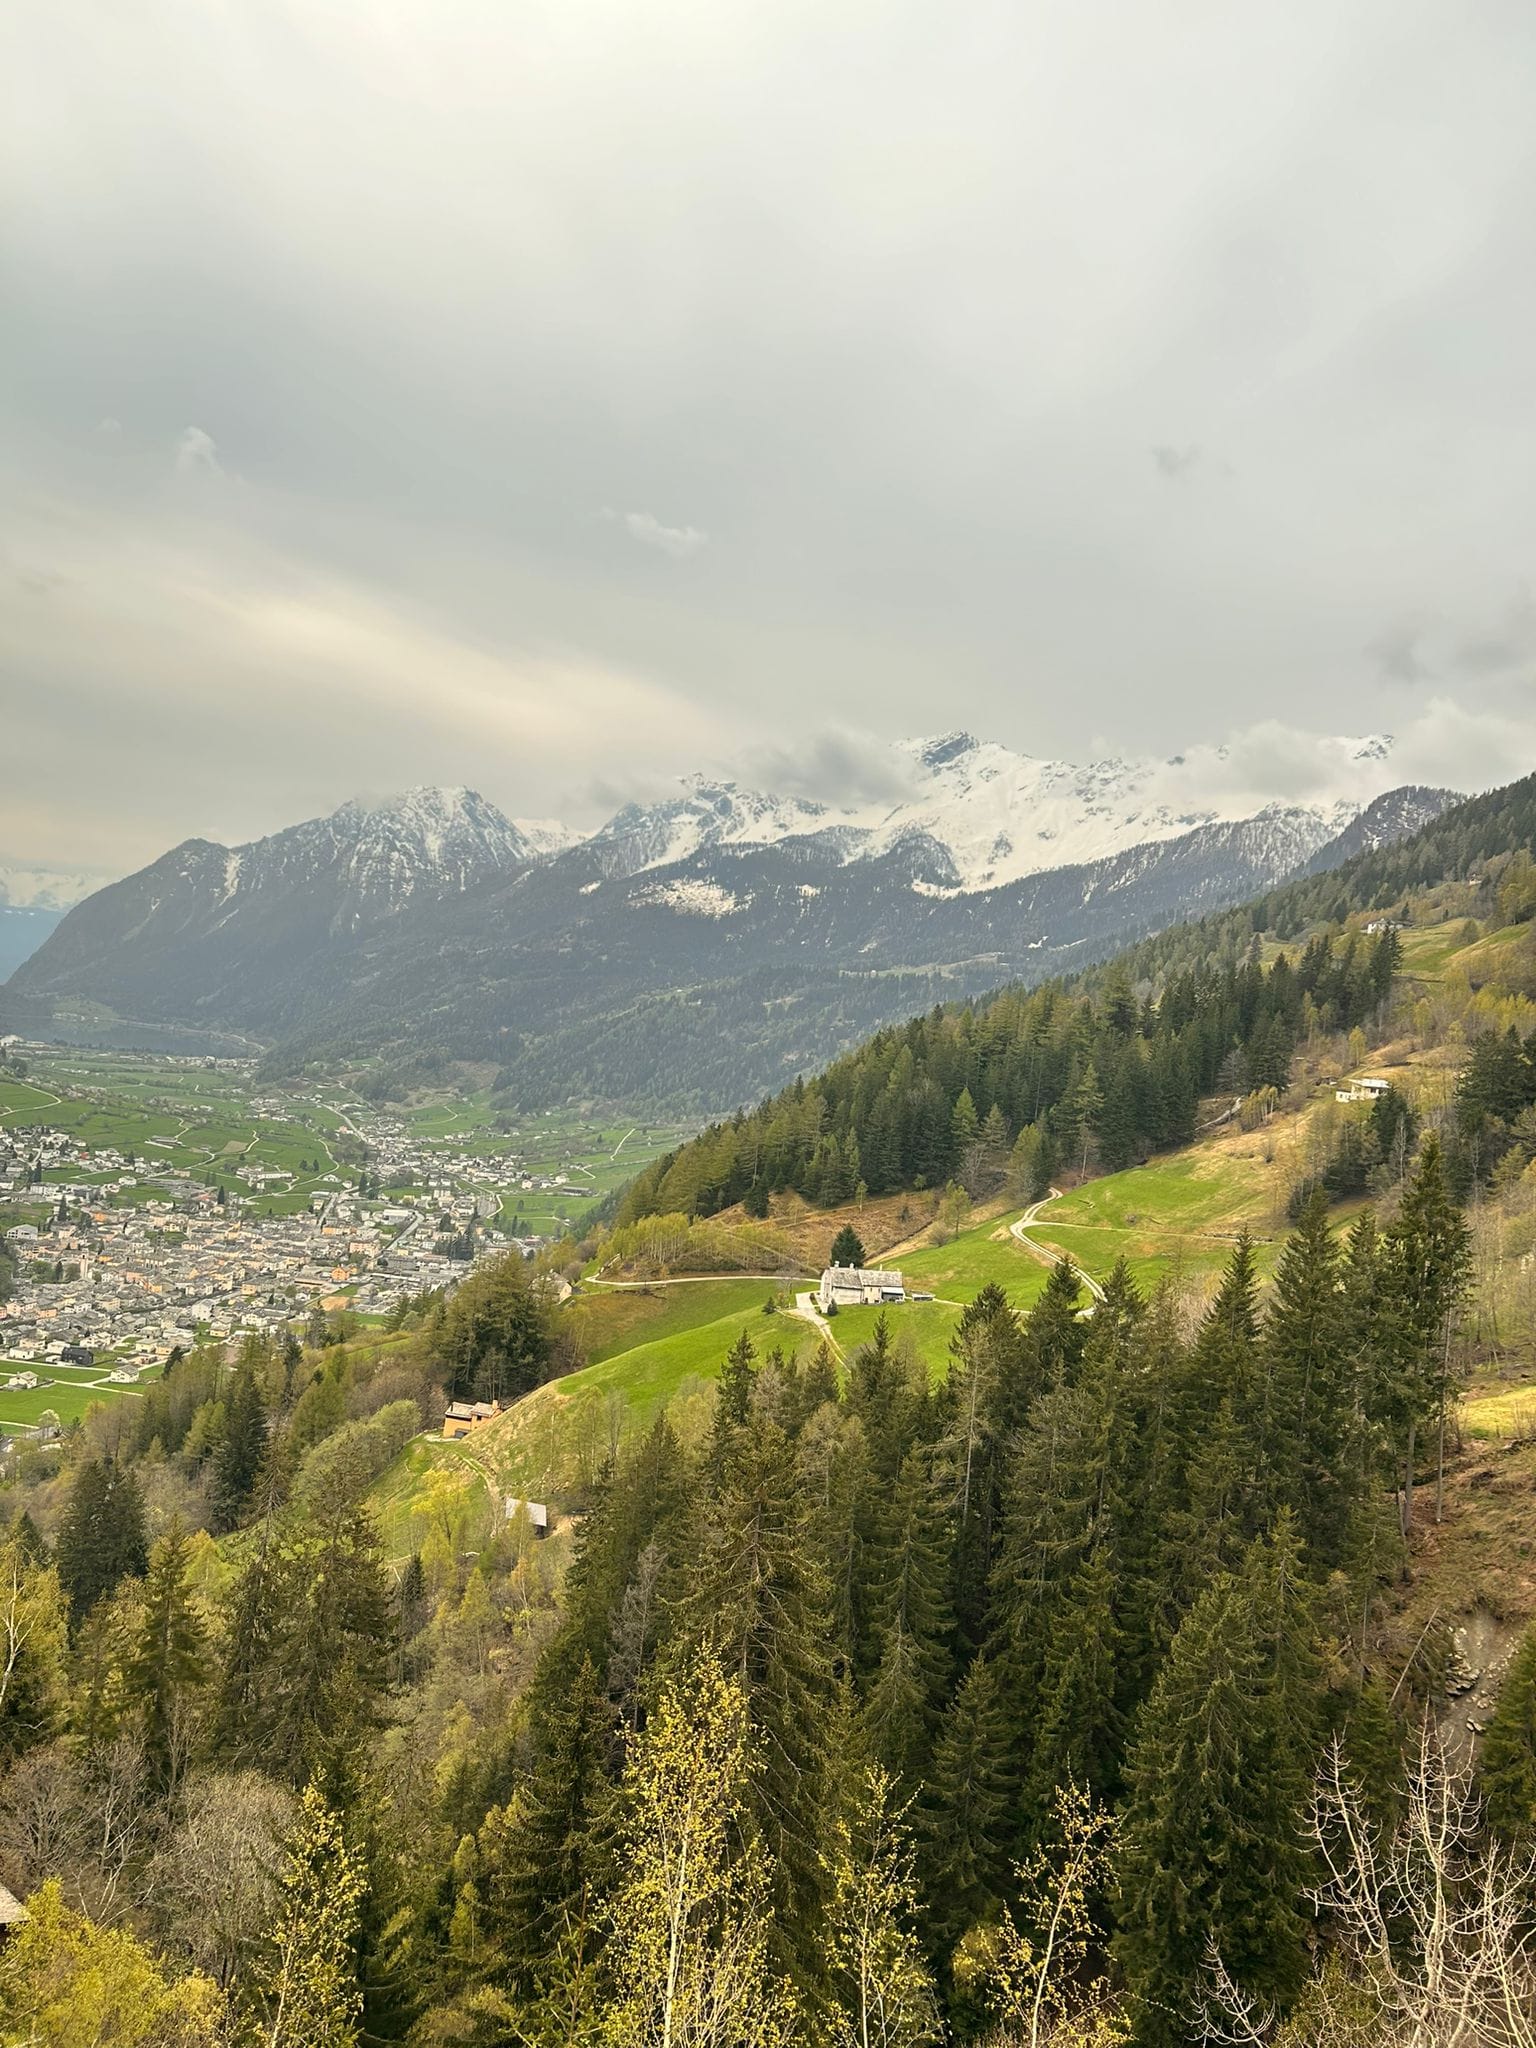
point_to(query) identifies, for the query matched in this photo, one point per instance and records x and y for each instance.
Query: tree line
(1049, 1078)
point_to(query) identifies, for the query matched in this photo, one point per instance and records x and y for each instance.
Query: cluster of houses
(176, 1265)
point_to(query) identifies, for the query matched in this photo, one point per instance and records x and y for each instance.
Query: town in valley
(151, 1202)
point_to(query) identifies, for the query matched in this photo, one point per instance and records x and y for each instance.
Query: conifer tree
(1507, 1779)
(908, 1567)
(1306, 1399)
(1053, 1341)
(1427, 1262)
(542, 1859)
(101, 1538)
(759, 1597)
(170, 1661)
(240, 1455)
(968, 1806)
(734, 1399)
(847, 1248)
(1217, 1782)
(1080, 1732)
(310, 1650)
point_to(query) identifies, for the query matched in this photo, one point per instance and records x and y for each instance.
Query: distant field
(960, 1269)
(200, 1122)
(1200, 1190)
(21, 1408)
(398, 1493)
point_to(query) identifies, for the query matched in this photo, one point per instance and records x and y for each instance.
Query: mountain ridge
(596, 971)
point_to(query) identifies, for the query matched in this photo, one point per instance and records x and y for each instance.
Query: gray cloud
(832, 767)
(1397, 653)
(1510, 643)
(859, 378)
(1175, 463)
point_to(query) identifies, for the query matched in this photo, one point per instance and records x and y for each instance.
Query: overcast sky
(556, 397)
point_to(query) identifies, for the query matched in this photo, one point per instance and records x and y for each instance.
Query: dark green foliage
(1217, 1782)
(967, 1839)
(946, 1096)
(759, 1596)
(240, 1454)
(542, 1861)
(310, 1650)
(170, 1661)
(495, 1341)
(1507, 1779)
(101, 1538)
(847, 1248)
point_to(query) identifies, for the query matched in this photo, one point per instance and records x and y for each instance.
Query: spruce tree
(847, 1248)
(1306, 1398)
(170, 1662)
(1080, 1732)
(1427, 1263)
(760, 1599)
(1507, 1777)
(542, 1859)
(1217, 1782)
(101, 1538)
(966, 1839)
(912, 1626)
(240, 1454)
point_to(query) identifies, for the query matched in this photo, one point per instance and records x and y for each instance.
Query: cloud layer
(1149, 372)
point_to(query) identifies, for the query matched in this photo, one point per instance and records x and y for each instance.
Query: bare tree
(1432, 1923)
(214, 1882)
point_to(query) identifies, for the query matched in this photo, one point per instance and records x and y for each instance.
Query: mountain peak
(940, 750)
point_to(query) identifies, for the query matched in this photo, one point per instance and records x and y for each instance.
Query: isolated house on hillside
(536, 1511)
(858, 1287)
(463, 1416)
(1365, 1090)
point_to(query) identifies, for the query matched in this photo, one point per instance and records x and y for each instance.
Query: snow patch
(693, 898)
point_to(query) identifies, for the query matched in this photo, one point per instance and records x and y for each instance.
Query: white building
(1366, 1089)
(858, 1287)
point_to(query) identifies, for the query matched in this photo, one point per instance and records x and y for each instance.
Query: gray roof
(12, 1911)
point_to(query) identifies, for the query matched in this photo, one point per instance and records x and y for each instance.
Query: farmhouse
(858, 1286)
(463, 1416)
(1364, 1090)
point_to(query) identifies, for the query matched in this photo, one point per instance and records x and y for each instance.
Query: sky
(557, 396)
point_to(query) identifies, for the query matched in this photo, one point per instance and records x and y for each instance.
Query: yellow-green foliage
(688, 1925)
(679, 1243)
(66, 1982)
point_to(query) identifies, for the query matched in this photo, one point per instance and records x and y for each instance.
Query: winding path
(1050, 1253)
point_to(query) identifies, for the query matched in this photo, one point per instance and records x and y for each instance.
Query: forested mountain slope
(614, 968)
(1116, 1065)
(853, 1676)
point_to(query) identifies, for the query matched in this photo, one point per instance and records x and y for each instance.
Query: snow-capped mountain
(378, 856)
(206, 927)
(997, 814)
(706, 814)
(690, 948)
